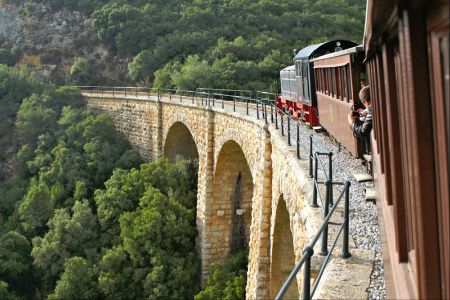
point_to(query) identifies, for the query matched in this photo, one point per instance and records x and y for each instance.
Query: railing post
(223, 105)
(113, 91)
(136, 91)
(330, 175)
(148, 93)
(234, 102)
(181, 96)
(310, 155)
(298, 141)
(202, 99)
(282, 124)
(170, 95)
(125, 89)
(257, 109)
(193, 96)
(271, 113)
(247, 106)
(159, 94)
(276, 118)
(309, 252)
(265, 113)
(315, 187)
(345, 251)
(324, 246)
(289, 130)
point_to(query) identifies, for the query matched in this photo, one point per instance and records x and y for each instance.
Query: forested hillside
(80, 216)
(208, 43)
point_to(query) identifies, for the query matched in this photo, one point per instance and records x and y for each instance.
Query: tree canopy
(238, 43)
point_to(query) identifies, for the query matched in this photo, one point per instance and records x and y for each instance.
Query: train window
(338, 84)
(327, 71)
(318, 81)
(298, 68)
(333, 82)
(349, 83)
(317, 76)
(305, 80)
(321, 80)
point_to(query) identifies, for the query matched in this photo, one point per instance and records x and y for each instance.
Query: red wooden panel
(421, 132)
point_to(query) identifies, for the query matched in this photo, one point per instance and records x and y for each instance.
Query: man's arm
(364, 129)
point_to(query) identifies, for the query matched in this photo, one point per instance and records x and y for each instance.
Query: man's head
(364, 95)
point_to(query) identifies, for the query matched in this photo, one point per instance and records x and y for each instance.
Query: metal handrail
(275, 112)
(308, 251)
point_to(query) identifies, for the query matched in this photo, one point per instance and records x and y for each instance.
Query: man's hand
(350, 118)
(362, 112)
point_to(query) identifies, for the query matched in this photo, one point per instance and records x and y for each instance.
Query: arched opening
(283, 256)
(179, 142)
(231, 207)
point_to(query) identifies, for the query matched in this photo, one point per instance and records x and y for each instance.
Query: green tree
(83, 72)
(193, 74)
(116, 279)
(36, 209)
(15, 257)
(163, 76)
(159, 237)
(142, 67)
(77, 282)
(68, 236)
(34, 119)
(5, 294)
(226, 281)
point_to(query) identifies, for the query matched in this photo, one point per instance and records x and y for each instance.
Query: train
(322, 86)
(405, 60)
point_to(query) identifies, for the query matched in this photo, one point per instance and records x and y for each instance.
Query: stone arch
(231, 207)
(179, 141)
(251, 144)
(283, 255)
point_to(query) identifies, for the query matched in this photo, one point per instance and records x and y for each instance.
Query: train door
(305, 78)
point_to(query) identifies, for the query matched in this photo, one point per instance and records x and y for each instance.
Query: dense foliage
(228, 43)
(214, 43)
(227, 281)
(80, 216)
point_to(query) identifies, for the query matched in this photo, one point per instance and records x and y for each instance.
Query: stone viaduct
(252, 190)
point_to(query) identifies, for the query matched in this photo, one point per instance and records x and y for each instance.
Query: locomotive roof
(356, 49)
(312, 51)
(289, 68)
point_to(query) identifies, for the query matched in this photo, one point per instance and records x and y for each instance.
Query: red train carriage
(407, 61)
(298, 88)
(337, 77)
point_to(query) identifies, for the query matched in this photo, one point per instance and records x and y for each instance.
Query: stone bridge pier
(251, 188)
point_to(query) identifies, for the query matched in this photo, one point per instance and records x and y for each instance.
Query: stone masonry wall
(273, 173)
(135, 119)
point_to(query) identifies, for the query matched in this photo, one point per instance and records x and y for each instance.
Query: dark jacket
(363, 130)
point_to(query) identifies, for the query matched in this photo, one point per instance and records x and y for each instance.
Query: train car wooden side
(337, 87)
